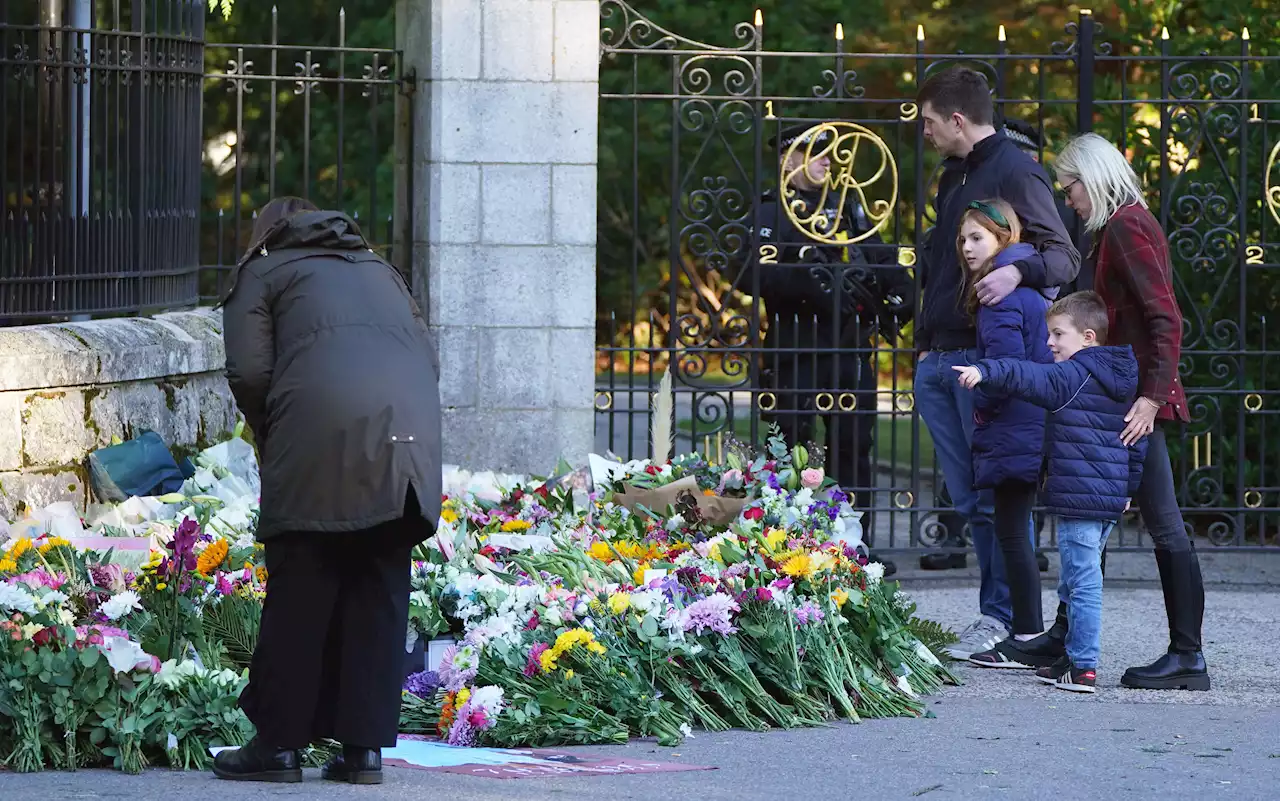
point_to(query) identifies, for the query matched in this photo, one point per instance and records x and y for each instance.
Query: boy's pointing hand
(970, 376)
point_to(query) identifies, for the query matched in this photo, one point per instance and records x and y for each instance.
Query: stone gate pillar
(498, 150)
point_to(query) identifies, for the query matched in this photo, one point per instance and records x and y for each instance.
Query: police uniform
(824, 304)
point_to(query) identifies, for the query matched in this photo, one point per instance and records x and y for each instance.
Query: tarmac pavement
(999, 736)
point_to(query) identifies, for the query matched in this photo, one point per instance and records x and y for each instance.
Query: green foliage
(232, 622)
(332, 142)
(934, 635)
(222, 7)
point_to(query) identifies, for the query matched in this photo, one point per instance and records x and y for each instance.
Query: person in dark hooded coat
(333, 367)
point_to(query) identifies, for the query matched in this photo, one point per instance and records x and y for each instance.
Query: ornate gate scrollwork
(840, 142)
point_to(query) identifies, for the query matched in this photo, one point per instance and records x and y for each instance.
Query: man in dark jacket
(826, 303)
(333, 367)
(979, 163)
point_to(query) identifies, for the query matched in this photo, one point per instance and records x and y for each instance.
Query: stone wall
(501, 156)
(67, 389)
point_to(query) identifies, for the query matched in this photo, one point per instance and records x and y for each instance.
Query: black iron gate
(672, 240)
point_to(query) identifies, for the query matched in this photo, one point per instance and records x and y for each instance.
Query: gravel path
(1239, 631)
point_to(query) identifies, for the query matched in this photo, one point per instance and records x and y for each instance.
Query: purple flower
(808, 614)
(224, 587)
(423, 684)
(183, 547)
(838, 496)
(782, 583)
(714, 613)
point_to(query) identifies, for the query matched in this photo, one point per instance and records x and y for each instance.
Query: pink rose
(812, 478)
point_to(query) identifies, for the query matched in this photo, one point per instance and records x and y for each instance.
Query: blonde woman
(1133, 273)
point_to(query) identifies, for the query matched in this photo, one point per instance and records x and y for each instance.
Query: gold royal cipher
(841, 141)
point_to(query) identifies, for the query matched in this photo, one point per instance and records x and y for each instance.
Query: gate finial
(919, 33)
(1000, 36)
(759, 18)
(840, 32)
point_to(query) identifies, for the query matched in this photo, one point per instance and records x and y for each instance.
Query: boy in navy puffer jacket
(1091, 474)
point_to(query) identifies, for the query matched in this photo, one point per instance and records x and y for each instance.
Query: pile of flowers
(112, 659)
(599, 622)
(576, 609)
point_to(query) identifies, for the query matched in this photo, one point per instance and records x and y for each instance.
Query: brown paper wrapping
(714, 509)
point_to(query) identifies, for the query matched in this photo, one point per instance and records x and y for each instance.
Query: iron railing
(135, 154)
(313, 120)
(684, 161)
(99, 156)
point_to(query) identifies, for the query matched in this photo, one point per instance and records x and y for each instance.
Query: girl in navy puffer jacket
(1008, 438)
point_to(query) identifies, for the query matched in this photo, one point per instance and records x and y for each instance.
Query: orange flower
(212, 558)
(261, 573)
(447, 715)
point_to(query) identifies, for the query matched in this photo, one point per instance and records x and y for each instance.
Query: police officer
(826, 303)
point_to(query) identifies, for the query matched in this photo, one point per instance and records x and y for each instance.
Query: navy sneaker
(1078, 680)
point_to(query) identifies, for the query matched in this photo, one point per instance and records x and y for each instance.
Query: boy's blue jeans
(1080, 543)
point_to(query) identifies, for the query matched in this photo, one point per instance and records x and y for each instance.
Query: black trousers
(1014, 501)
(330, 657)
(842, 390)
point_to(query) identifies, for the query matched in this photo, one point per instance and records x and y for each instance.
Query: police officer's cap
(793, 133)
(1024, 134)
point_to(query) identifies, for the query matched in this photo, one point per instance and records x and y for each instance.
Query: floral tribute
(574, 617)
(598, 621)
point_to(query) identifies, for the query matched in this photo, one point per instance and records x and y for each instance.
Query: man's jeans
(947, 409)
(1080, 543)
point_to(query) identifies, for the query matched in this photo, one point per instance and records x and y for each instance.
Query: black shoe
(254, 762)
(943, 561)
(1078, 680)
(1042, 561)
(1183, 667)
(354, 766)
(1173, 671)
(1051, 674)
(1042, 651)
(1006, 654)
(889, 567)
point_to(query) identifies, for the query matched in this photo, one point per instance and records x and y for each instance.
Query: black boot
(943, 561)
(1183, 667)
(355, 765)
(255, 762)
(1042, 562)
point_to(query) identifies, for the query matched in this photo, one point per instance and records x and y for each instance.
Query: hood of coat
(315, 229)
(308, 229)
(1014, 253)
(1113, 367)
